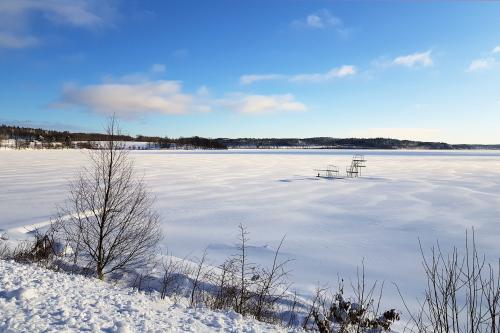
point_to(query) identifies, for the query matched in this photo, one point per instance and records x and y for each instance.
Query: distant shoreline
(359, 148)
(37, 138)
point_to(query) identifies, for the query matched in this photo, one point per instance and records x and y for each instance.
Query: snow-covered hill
(33, 299)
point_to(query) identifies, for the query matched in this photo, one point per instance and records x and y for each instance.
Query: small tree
(271, 287)
(112, 225)
(245, 271)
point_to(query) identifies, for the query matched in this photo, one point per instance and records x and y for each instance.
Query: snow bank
(33, 299)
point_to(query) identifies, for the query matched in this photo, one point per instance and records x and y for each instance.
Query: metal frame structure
(331, 171)
(354, 170)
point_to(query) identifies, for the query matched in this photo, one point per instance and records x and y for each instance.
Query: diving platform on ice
(352, 171)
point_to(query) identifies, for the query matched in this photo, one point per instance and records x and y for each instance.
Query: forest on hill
(24, 135)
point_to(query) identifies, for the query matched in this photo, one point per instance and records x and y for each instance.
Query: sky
(423, 70)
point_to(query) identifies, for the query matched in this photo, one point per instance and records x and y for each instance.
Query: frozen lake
(330, 225)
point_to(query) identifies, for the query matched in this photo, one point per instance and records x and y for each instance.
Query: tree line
(21, 135)
(338, 143)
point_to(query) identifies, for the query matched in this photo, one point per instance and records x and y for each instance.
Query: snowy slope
(33, 299)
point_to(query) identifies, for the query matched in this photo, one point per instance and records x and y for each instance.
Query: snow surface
(330, 225)
(34, 299)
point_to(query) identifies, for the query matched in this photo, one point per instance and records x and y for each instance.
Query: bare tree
(173, 270)
(144, 276)
(199, 274)
(112, 223)
(462, 292)
(245, 271)
(225, 279)
(248, 288)
(271, 286)
(4, 249)
(292, 318)
(490, 285)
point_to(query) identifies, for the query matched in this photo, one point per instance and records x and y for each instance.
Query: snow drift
(33, 299)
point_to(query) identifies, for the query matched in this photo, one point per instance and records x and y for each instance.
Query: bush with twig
(335, 313)
(462, 294)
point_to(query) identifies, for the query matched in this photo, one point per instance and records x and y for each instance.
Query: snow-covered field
(37, 300)
(330, 225)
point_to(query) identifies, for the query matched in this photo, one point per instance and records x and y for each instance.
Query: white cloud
(481, 64)
(334, 73)
(318, 20)
(134, 95)
(84, 13)
(203, 100)
(261, 104)
(16, 15)
(203, 91)
(252, 78)
(180, 53)
(485, 63)
(158, 68)
(166, 97)
(128, 99)
(423, 59)
(11, 41)
(343, 71)
(314, 21)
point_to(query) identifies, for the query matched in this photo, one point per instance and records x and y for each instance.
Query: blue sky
(406, 69)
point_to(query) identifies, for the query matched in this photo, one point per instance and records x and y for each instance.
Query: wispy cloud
(261, 104)
(15, 18)
(419, 59)
(203, 91)
(134, 95)
(343, 71)
(318, 20)
(481, 64)
(131, 95)
(334, 73)
(11, 41)
(486, 62)
(158, 68)
(321, 20)
(128, 100)
(252, 78)
(180, 53)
